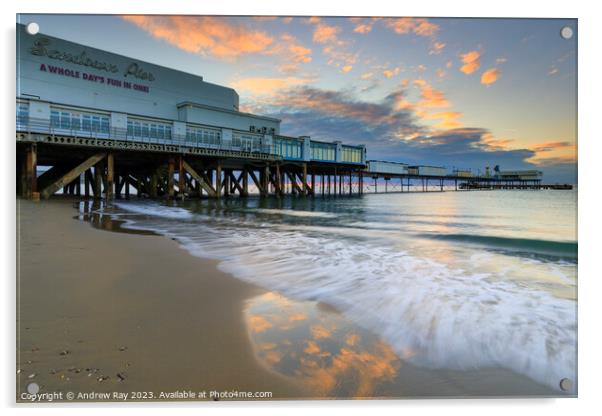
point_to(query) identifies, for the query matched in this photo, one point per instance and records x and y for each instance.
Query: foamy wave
(432, 314)
(295, 213)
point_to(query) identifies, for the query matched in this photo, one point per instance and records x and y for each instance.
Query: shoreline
(95, 304)
(128, 320)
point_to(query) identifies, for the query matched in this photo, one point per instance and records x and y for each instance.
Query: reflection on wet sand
(99, 214)
(319, 348)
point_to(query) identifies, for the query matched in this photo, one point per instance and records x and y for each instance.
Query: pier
(163, 133)
(101, 165)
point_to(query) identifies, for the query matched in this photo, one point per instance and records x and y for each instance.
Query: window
(104, 125)
(55, 119)
(22, 114)
(86, 122)
(76, 123)
(65, 120)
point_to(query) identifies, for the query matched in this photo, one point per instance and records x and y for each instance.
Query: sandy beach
(102, 311)
(95, 304)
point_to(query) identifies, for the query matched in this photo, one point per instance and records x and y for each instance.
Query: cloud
(312, 20)
(500, 61)
(347, 68)
(319, 331)
(471, 62)
(258, 323)
(206, 35)
(436, 48)
(490, 76)
(430, 96)
(388, 73)
(447, 119)
(362, 25)
(258, 86)
(224, 38)
(292, 53)
(406, 25)
(553, 71)
(366, 75)
(550, 146)
(395, 126)
(325, 33)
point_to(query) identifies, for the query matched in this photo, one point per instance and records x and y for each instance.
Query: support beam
(304, 184)
(236, 183)
(227, 173)
(201, 180)
(245, 182)
(266, 180)
(98, 179)
(71, 175)
(350, 183)
(294, 186)
(87, 182)
(218, 179)
(181, 176)
(153, 191)
(279, 189)
(170, 182)
(30, 181)
(110, 176)
(256, 181)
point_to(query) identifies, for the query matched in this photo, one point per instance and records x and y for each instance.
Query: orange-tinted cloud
(352, 338)
(292, 53)
(471, 62)
(430, 96)
(207, 35)
(297, 317)
(492, 143)
(347, 68)
(266, 86)
(490, 76)
(449, 119)
(406, 25)
(436, 48)
(363, 28)
(258, 323)
(391, 72)
(319, 331)
(551, 146)
(553, 153)
(312, 347)
(325, 33)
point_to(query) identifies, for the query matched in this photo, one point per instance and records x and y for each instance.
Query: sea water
(450, 280)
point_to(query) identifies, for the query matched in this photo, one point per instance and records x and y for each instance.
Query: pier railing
(33, 129)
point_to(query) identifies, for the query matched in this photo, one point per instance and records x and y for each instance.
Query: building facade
(66, 88)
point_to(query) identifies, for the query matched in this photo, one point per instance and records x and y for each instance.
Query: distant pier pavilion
(94, 123)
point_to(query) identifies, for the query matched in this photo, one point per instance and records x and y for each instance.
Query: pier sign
(41, 48)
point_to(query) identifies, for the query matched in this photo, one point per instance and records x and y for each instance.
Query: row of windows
(22, 114)
(74, 121)
(204, 136)
(288, 149)
(352, 155)
(147, 129)
(246, 142)
(320, 151)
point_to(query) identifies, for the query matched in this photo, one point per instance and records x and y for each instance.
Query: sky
(460, 93)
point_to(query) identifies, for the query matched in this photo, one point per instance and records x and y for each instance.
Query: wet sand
(138, 309)
(95, 304)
